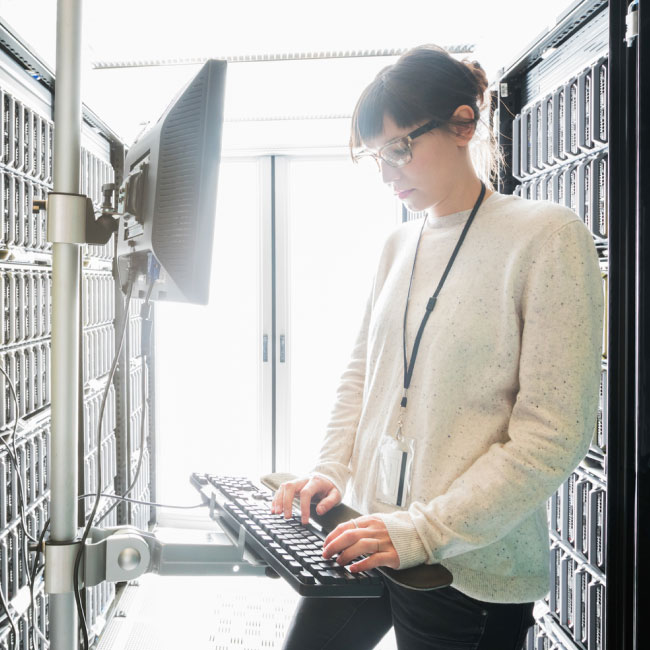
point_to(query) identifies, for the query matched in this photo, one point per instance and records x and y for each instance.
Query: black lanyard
(408, 366)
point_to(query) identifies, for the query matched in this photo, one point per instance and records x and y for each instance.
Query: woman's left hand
(361, 536)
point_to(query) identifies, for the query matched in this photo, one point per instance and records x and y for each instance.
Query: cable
(5, 606)
(144, 352)
(144, 503)
(89, 522)
(13, 455)
(34, 571)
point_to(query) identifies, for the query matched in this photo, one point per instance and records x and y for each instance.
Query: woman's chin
(414, 203)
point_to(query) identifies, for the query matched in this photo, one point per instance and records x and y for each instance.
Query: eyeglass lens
(396, 154)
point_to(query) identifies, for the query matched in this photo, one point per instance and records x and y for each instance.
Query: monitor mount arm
(124, 553)
(71, 218)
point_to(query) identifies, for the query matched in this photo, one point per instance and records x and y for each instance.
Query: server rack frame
(642, 496)
(622, 285)
(621, 450)
(28, 85)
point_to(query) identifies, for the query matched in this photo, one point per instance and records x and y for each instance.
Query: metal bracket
(632, 23)
(123, 553)
(59, 560)
(71, 220)
(66, 218)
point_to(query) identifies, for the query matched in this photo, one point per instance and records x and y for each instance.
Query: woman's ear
(462, 124)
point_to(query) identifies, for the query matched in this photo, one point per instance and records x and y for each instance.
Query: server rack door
(642, 492)
(559, 119)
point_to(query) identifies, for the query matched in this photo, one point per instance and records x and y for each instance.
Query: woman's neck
(462, 196)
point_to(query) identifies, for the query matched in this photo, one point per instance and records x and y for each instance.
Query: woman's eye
(398, 149)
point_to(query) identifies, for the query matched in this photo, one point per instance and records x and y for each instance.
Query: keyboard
(293, 550)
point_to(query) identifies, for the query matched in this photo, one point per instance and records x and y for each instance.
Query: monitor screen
(168, 198)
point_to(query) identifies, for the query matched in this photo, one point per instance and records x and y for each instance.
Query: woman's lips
(404, 193)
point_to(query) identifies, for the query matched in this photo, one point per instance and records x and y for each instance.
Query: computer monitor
(168, 198)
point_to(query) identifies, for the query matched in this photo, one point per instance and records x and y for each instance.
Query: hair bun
(477, 71)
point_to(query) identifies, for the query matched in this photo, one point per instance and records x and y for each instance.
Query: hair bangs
(368, 116)
(385, 96)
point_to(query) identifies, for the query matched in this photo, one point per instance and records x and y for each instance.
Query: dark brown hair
(426, 83)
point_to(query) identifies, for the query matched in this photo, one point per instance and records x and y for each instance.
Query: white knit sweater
(503, 398)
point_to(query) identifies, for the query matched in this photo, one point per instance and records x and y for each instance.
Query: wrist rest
(421, 577)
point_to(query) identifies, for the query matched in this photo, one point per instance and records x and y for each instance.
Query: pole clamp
(71, 220)
(59, 560)
(66, 218)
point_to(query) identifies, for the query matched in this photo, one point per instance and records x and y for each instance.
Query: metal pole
(66, 331)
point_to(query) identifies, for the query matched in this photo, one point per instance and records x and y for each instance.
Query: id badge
(394, 475)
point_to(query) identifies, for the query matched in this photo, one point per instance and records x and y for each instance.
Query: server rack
(562, 119)
(640, 561)
(136, 456)
(26, 145)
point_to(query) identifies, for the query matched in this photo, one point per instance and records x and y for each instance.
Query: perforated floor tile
(166, 613)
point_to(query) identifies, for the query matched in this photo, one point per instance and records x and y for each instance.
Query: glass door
(212, 400)
(332, 218)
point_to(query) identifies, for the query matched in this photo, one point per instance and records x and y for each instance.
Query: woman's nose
(388, 174)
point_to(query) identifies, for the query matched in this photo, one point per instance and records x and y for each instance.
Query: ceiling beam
(266, 58)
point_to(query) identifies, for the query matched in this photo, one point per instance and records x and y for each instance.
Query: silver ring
(354, 523)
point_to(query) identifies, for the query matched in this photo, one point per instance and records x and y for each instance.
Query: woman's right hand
(323, 490)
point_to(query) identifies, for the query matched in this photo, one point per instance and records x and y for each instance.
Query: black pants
(443, 619)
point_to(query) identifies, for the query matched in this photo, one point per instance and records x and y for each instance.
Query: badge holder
(395, 469)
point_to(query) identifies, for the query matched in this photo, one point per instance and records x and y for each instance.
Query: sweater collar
(450, 220)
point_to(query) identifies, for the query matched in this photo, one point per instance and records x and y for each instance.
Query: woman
(472, 389)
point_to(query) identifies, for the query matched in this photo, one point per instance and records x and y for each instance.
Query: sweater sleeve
(336, 451)
(552, 421)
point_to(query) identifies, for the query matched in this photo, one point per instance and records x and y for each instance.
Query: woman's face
(429, 177)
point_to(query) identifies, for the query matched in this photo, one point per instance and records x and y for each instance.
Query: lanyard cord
(408, 366)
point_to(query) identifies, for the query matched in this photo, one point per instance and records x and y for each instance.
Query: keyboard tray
(422, 577)
(292, 550)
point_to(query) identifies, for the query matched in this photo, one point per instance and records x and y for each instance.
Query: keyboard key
(293, 566)
(373, 577)
(306, 577)
(326, 577)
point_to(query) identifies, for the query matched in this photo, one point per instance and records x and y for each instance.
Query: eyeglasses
(396, 152)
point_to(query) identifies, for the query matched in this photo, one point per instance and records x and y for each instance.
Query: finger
(371, 562)
(277, 500)
(305, 501)
(365, 546)
(338, 531)
(350, 524)
(333, 498)
(343, 541)
(287, 500)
